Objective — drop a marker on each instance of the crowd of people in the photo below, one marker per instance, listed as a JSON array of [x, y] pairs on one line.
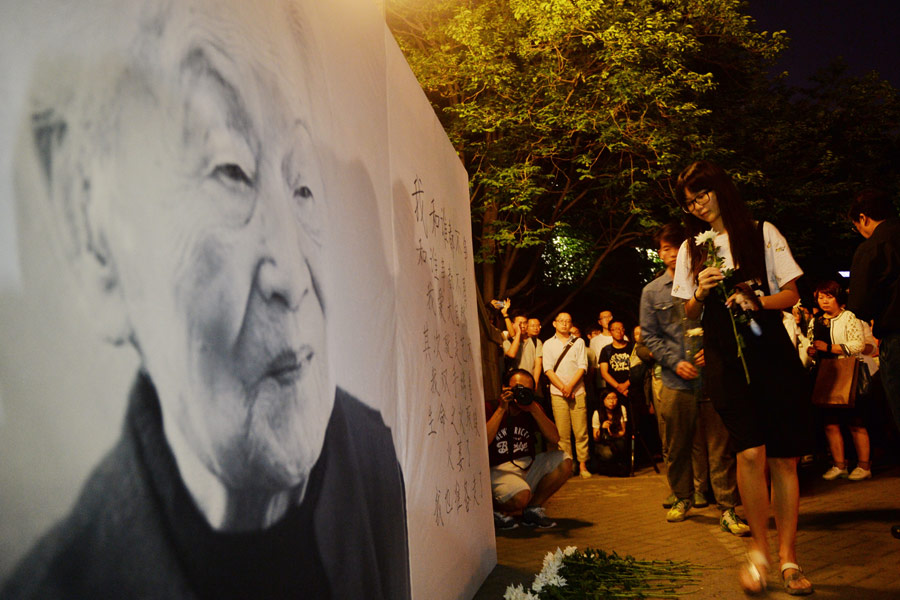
[[717, 327]]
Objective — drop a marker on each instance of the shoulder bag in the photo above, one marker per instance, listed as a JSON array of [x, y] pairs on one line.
[[836, 382]]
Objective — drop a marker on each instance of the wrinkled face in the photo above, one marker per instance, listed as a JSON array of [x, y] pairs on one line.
[[702, 204], [563, 324], [534, 327], [668, 254], [828, 303], [610, 400], [214, 196], [617, 331]]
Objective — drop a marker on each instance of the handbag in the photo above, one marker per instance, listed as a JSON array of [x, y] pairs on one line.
[[836, 382], [863, 380]]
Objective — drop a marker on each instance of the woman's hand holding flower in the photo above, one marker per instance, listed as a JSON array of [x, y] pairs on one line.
[[707, 280]]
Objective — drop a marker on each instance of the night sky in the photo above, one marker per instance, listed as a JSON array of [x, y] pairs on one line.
[[866, 33]]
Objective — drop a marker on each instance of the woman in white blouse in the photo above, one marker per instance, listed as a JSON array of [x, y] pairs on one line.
[[837, 334], [768, 424]]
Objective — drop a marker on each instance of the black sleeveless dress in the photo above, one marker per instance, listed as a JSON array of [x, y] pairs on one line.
[[773, 410]]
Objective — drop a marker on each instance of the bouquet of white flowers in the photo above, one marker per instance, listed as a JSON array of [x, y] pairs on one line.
[[597, 574]]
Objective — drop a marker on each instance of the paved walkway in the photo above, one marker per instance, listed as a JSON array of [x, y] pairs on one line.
[[844, 541]]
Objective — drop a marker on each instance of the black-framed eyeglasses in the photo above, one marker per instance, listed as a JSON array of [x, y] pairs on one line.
[[700, 199]]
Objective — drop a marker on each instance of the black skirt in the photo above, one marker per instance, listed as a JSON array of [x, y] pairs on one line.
[[773, 410]]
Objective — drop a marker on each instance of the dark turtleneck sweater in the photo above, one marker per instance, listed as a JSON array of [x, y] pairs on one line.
[[135, 531]]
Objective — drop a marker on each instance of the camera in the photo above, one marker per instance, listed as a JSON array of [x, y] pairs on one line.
[[522, 395]]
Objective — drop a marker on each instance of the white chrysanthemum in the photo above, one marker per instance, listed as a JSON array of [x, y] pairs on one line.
[[553, 561], [518, 593], [706, 236], [694, 332], [557, 581], [547, 580]]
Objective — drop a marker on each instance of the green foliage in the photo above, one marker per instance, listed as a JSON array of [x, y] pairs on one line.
[[580, 113], [571, 111], [567, 258], [827, 142]]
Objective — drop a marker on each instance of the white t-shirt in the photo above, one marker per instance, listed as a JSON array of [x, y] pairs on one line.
[[575, 359], [780, 264], [869, 339], [597, 343], [595, 420]]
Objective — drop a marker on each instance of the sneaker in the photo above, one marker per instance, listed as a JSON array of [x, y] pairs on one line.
[[534, 516], [700, 500], [859, 474], [678, 510], [584, 473], [669, 501], [733, 524], [833, 473], [502, 521]]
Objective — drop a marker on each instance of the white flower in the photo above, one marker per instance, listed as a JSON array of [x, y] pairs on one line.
[[553, 561], [694, 332], [549, 575], [706, 236], [570, 550], [518, 593], [547, 580]]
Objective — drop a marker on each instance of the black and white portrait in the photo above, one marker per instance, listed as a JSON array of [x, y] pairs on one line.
[[169, 152]]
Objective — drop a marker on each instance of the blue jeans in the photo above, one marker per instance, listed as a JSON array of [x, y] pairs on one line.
[[889, 350]]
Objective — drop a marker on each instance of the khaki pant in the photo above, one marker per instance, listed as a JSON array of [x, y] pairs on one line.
[[690, 428], [571, 415]]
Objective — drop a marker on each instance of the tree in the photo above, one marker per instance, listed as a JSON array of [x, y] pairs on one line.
[[571, 116], [819, 146]]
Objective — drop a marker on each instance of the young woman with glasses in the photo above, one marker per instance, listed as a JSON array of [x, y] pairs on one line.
[[764, 404]]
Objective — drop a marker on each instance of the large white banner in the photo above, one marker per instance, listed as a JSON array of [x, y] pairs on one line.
[[239, 347]]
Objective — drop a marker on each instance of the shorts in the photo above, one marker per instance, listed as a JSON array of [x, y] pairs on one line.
[[507, 479]]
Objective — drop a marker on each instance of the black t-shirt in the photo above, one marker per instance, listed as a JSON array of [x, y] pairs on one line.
[[619, 360], [514, 439]]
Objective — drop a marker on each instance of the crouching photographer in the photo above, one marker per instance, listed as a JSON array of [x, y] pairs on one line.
[[520, 480]]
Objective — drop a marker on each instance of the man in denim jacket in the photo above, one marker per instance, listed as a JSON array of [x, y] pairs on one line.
[[691, 425]]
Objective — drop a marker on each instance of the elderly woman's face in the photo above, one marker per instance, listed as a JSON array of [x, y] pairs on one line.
[[213, 224]]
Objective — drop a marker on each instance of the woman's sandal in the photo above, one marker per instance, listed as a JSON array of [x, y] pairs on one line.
[[753, 573], [797, 575]]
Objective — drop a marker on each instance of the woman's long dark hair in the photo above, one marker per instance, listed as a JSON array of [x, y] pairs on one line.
[[742, 235], [616, 416]]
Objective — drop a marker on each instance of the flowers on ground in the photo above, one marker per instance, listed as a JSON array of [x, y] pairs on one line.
[[570, 574]]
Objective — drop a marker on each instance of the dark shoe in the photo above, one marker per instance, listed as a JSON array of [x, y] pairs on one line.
[[502, 521], [534, 516], [895, 531], [700, 500]]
